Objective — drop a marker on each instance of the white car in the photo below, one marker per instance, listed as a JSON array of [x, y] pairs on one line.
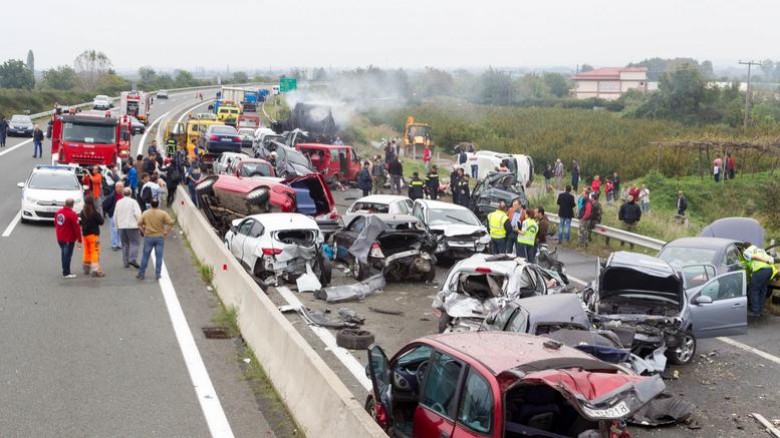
[[460, 234], [274, 245], [225, 159], [46, 190], [102, 102], [379, 204], [162, 94]]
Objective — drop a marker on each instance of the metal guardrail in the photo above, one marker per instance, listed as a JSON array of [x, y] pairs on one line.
[[614, 233]]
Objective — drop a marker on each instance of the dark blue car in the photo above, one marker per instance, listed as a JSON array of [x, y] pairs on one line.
[[219, 139], [20, 125]]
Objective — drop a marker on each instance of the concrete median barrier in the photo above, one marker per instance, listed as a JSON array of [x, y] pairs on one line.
[[320, 402]]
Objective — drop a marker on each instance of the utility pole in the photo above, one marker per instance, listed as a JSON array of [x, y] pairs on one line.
[[747, 92]]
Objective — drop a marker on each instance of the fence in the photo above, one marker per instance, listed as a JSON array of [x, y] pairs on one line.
[[632, 239]]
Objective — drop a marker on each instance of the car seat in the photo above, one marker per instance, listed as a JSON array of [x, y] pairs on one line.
[[537, 408]]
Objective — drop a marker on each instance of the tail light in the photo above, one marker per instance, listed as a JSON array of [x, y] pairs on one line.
[[214, 138], [380, 415], [484, 270], [376, 251], [237, 139], [334, 214], [271, 251]]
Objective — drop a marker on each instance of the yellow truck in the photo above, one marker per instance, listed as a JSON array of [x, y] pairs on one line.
[[416, 135], [189, 133], [228, 115]]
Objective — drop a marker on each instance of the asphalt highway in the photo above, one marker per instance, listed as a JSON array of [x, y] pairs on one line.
[[109, 356]]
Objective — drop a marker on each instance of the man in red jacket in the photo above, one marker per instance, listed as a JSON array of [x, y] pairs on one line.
[[66, 225]]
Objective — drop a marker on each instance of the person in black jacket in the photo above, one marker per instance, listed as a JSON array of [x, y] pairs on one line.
[[37, 142], [364, 179], [432, 182], [463, 191], [396, 170], [629, 214], [91, 220], [109, 203], [566, 205], [416, 187], [454, 177], [682, 204]]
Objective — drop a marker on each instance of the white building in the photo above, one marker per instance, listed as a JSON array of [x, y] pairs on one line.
[[610, 82]]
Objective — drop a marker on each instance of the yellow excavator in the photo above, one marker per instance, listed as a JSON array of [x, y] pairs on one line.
[[416, 135]]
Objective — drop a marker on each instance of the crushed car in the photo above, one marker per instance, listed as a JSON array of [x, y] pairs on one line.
[[493, 189], [279, 245], [479, 285], [539, 315], [500, 384], [224, 198], [458, 231], [397, 245], [664, 309]]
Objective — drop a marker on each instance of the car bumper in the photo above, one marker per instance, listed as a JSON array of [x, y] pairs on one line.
[[458, 248], [18, 131], [289, 269], [39, 213], [219, 147]]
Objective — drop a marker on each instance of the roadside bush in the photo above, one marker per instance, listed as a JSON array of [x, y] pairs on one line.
[[15, 101]]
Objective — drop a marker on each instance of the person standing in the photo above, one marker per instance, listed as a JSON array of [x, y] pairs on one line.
[[541, 235], [474, 161], [454, 178], [548, 174], [396, 173], [37, 142], [730, 165], [566, 205], [575, 175], [193, 176], [432, 182], [3, 130], [682, 204], [109, 208], [94, 183], [127, 212], [595, 215], [150, 191], [427, 158], [761, 268], [91, 220], [498, 226], [66, 227], [416, 187], [462, 158], [558, 171], [644, 199], [464, 191], [172, 178], [526, 236], [609, 189], [515, 215], [364, 179], [379, 174], [629, 215], [154, 224], [616, 186], [585, 211], [633, 192], [390, 153], [717, 167], [595, 186]]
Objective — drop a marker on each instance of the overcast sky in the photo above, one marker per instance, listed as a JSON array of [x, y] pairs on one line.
[[259, 34]]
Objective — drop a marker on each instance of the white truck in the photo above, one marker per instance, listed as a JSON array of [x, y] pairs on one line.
[[522, 166], [136, 104], [235, 94]]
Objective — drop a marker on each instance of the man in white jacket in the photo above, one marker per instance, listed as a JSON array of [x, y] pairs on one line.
[[126, 214]]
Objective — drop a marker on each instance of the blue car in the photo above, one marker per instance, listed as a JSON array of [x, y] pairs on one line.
[[219, 139], [20, 125]]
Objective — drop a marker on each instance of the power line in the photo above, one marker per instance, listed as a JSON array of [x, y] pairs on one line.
[[747, 92]]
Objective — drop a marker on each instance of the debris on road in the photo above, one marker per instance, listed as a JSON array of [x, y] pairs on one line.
[[353, 339], [319, 319], [308, 282], [386, 311], [352, 292], [770, 428], [663, 410]]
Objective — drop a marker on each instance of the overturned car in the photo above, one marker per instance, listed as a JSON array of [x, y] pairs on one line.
[[648, 304], [224, 198], [397, 245], [493, 189]]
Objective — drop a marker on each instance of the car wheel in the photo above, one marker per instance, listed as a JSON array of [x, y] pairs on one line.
[[358, 270], [325, 271], [206, 185], [686, 351], [354, 339], [370, 406]]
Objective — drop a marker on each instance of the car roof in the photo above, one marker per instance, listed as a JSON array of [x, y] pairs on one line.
[[499, 265], [389, 218], [285, 221], [382, 199], [503, 351], [439, 205], [699, 242], [54, 169]]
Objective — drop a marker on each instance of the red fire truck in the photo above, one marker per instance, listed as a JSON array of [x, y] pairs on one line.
[[89, 138], [136, 104]]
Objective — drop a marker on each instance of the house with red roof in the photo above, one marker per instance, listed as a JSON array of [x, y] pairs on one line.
[[609, 82]]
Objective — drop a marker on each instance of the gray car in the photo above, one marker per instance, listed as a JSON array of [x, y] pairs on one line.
[[20, 125], [662, 306], [540, 315], [722, 254]]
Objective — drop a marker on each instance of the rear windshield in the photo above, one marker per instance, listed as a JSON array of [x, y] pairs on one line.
[[255, 169], [54, 181], [370, 207], [680, 256], [223, 130]]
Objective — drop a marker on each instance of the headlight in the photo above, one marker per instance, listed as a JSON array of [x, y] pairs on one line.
[[30, 199]]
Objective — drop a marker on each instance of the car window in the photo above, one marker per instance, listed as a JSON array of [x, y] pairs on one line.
[[724, 287], [697, 275], [476, 404], [246, 227], [257, 229], [732, 256], [680, 256], [357, 225], [416, 354], [334, 155], [417, 212], [370, 207], [354, 156], [519, 322], [402, 207], [441, 384]]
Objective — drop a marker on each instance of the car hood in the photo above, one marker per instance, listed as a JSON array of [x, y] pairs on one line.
[[595, 395], [637, 275], [453, 230], [21, 124], [53, 195], [741, 229]]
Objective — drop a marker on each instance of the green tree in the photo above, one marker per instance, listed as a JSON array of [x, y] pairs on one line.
[[31, 63], [60, 78], [14, 74], [435, 82], [532, 86], [495, 87], [90, 66], [147, 75], [559, 86], [183, 79], [240, 77]]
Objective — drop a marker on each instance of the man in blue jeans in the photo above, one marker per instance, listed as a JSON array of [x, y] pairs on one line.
[[566, 205], [154, 224], [761, 267], [37, 142]]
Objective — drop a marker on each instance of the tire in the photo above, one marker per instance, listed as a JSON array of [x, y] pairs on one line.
[[206, 185], [359, 270], [354, 339], [686, 351], [258, 196], [326, 271]]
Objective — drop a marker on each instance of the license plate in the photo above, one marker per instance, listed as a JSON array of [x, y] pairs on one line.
[[617, 411], [227, 138]]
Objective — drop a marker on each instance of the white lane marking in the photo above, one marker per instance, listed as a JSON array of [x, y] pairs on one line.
[[748, 348], [10, 228], [342, 354], [13, 148], [146, 132], [207, 395]]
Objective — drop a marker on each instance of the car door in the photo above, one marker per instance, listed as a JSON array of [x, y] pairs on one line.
[[418, 211], [251, 243], [346, 237], [719, 307], [476, 410], [237, 243], [379, 372], [436, 412]]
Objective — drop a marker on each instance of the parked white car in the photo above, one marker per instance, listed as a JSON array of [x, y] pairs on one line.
[[225, 159], [46, 191], [457, 229], [102, 102], [392, 204], [279, 245]]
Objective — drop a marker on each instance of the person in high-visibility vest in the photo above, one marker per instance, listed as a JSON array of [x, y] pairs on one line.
[[499, 227], [761, 267], [416, 187], [526, 236]]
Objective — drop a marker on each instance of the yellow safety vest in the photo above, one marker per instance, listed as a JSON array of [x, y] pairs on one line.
[[528, 237], [755, 265], [496, 221], [415, 183]]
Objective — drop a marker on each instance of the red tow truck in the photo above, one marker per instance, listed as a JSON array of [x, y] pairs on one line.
[[89, 138]]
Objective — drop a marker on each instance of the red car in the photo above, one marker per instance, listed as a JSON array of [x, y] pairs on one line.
[[227, 197], [499, 384], [336, 162]]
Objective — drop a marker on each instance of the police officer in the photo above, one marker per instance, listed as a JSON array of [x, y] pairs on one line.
[[416, 187], [432, 182], [499, 226], [170, 147], [463, 191], [526, 236], [761, 268]]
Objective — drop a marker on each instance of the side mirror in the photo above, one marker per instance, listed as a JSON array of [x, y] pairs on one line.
[[20, 185], [233, 229], [703, 299]]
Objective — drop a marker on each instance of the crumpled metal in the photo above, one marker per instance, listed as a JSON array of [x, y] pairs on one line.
[[353, 292]]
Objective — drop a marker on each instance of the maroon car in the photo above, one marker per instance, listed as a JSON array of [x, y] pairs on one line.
[[500, 384]]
